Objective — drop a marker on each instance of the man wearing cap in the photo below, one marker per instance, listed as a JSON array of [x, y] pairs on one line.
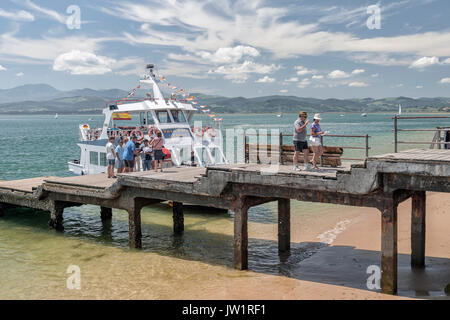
[[300, 143]]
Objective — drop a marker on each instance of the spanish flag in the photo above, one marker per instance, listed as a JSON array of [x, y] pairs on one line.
[[190, 98], [121, 116]]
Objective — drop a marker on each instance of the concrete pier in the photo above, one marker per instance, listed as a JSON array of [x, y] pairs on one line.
[[381, 182]]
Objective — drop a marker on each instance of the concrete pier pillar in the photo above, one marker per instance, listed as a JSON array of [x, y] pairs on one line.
[[134, 225], [284, 225], [418, 229], [178, 217], [106, 213], [56, 217], [389, 245], [240, 209]]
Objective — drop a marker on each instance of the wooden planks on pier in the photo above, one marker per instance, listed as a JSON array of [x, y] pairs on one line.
[[417, 155]]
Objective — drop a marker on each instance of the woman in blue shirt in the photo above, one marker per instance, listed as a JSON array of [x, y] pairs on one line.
[[119, 156]]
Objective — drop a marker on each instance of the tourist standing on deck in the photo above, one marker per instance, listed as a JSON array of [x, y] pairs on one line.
[[137, 158], [300, 143], [147, 156], [119, 156], [157, 145], [129, 153], [110, 156], [316, 140]]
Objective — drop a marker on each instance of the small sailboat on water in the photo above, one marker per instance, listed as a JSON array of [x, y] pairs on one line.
[[364, 115], [399, 109], [56, 116]]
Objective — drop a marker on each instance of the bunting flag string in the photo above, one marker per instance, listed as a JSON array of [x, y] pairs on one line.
[[176, 90]]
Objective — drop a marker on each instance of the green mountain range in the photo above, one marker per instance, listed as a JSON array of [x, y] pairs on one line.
[[44, 99]]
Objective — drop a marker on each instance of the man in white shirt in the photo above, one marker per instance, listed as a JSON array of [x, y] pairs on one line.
[[110, 156]]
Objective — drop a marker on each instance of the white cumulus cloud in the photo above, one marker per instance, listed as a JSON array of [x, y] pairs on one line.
[[424, 62], [19, 74], [301, 70], [358, 84], [2, 68], [240, 72], [358, 71], [317, 77], [445, 80], [229, 54], [284, 90], [265, 79], [83, 63], [304, 83], [338, 74], [292, 79]]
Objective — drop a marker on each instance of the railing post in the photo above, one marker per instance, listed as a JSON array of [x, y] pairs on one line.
[[246, 156], [280, 150], [321, 141], [367, 146], [395, 134]]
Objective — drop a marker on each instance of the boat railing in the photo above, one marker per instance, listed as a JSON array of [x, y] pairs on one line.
[[334, 154], [438, 140], [124, 101]]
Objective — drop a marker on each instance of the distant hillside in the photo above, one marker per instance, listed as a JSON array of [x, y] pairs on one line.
[[42, 98]]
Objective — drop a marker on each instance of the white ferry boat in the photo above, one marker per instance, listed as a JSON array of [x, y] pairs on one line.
[[141, 117]]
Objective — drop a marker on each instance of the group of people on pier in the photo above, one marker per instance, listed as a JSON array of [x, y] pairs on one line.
[[301, 143], [130, 153]]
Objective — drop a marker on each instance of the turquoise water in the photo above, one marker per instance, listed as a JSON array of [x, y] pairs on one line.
[[34, 259]]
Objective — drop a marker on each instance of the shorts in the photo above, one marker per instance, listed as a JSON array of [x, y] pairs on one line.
[[120, 164], [111, 162], [158, 154], [300, 145], [315, 141], [128, 163]]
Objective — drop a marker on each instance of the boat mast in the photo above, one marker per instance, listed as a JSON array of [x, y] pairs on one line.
[[150, 79]]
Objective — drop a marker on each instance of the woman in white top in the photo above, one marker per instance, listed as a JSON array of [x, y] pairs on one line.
[[316, 140], [110, 156]]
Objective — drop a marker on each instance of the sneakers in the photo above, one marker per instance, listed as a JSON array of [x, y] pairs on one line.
[[296, 168], [308, 167]]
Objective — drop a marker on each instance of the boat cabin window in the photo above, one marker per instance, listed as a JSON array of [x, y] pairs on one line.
[[150, 120], [178, 116], [93, 158], [103, 161], [163, 116]]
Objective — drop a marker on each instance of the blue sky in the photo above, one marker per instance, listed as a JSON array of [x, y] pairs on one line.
[[321, 49]]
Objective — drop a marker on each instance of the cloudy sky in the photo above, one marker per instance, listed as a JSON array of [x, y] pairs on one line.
[[323, 49]]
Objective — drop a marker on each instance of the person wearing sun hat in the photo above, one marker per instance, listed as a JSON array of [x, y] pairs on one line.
[[316, 140]]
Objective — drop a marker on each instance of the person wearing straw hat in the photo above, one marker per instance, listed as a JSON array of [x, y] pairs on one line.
[[299, 139], [316, 140]]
